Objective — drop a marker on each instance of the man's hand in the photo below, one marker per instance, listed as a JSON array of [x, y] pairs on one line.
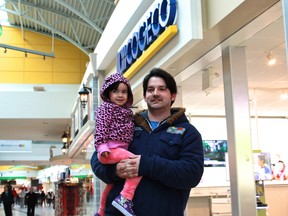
[[128, 168]]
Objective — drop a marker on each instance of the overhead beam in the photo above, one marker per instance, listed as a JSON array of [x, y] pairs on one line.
[[50, 28], [39, 7], [78, 13], [5, 46]]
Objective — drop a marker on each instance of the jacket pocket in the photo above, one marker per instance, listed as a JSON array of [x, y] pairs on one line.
[[169, 146], [171, 139]]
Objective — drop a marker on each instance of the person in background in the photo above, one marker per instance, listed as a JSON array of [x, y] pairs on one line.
[[49, 198], [169, 154], [9, 186], [53, 199], [22, 198], [14, 195], [113, 132], [7, 200], [43, 199], [279, 171], [88, 195], [31, 199], [264, 171]]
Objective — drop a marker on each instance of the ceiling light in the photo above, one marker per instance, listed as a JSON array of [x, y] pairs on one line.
[[64, 149], [64, 137], [271, 58], [284, 96]]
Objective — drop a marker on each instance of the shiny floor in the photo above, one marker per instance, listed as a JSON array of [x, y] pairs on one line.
[[41, 211]]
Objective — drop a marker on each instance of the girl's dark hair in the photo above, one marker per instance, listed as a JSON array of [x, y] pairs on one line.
[[113, 87], [158, 72]]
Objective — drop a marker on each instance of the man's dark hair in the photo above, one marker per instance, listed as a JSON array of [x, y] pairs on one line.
[[158, 72]]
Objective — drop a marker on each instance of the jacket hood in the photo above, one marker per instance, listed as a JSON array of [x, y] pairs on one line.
[[114, 78]]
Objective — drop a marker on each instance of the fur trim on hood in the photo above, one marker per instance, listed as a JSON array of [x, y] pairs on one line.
[[140, 119]]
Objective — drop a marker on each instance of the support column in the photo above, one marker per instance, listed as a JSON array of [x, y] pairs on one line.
[[285, 20], [242, 183], [97, 83]]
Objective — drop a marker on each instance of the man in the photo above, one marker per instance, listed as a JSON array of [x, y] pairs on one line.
[[170, 154], [8, 200], [31, 199]]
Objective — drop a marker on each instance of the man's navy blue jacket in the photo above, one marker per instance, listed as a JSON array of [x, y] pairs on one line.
[[172, 163]]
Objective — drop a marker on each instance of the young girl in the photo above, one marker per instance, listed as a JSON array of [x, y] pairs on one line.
[[114, 129]]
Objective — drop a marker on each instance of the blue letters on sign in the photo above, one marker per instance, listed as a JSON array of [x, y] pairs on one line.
[[155, 23]]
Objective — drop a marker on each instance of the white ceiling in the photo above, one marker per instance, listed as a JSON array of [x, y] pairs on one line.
[[266, 83]]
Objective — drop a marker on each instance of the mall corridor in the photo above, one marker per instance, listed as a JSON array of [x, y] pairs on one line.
[[43, 211]]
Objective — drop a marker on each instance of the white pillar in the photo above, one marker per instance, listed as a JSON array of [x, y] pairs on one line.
[[242, 183]]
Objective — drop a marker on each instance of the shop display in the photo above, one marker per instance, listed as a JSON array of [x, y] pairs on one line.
[[69, 199], [262, 166], [260, 198], [214, 152]]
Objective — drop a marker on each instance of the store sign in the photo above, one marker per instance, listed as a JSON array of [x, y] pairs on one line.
[[14, 146], [161, 16]]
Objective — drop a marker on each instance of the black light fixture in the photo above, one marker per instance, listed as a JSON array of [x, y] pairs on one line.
[[64, 149], [64, 137], [84, 92]]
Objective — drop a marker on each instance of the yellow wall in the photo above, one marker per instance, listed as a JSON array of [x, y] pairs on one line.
[[67, 67]]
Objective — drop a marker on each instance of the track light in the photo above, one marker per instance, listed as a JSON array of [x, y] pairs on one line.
[[271, 58], [284, 95], [5, 50]]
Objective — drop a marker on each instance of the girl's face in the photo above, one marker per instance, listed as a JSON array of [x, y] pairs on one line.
[[119, 96]]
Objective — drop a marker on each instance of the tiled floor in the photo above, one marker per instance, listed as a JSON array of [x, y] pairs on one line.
[[42, 211], [39, 211]]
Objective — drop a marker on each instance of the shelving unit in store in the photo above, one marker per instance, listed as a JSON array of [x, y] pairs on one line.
[[69, 198], [260, 198]]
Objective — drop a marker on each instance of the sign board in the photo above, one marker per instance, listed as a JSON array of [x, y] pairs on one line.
[[13, 146]]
